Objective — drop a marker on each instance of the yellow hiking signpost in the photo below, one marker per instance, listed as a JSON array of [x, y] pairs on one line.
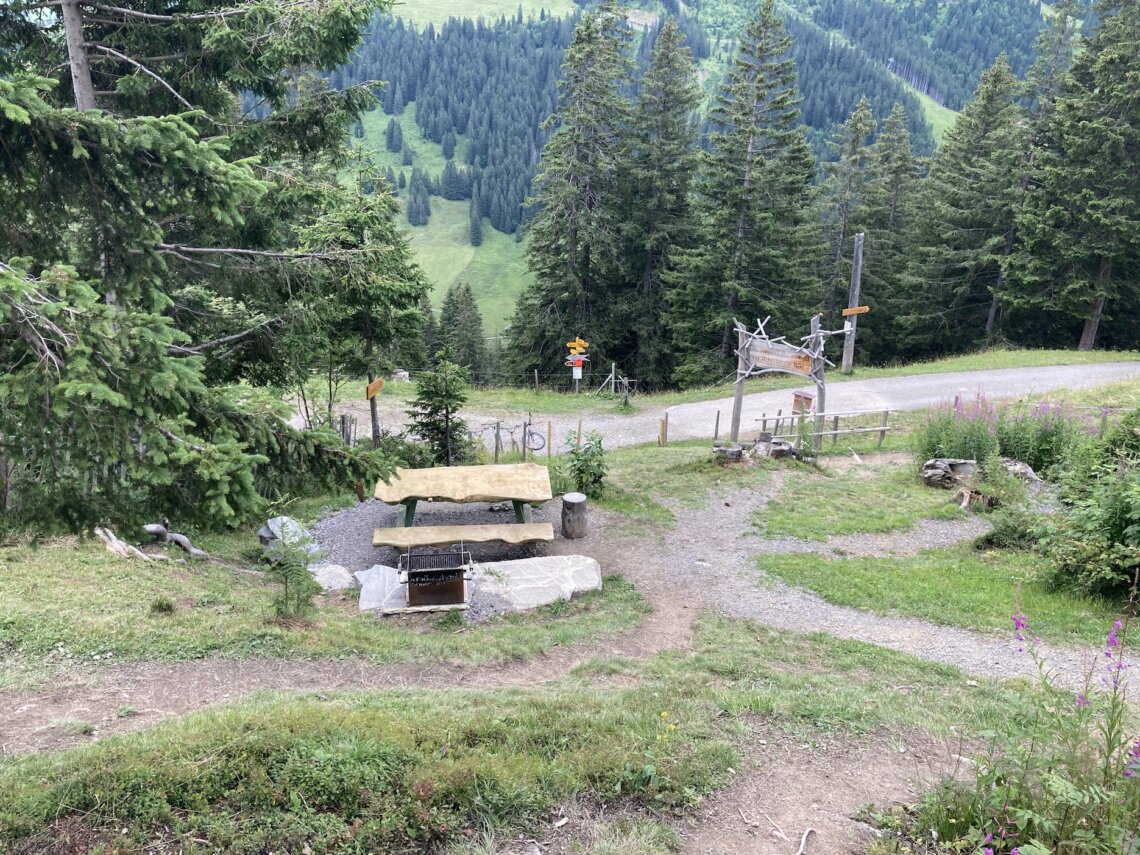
[[856, 310], [373, 388], [576, 357]]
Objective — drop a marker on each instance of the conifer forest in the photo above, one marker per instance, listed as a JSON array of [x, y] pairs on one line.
[[195, 234]]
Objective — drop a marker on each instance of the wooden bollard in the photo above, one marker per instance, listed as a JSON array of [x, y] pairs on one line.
[[573, 515]]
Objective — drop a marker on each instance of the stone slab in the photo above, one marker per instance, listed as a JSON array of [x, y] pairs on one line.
[[332, 577], [380, 588], [532, 582]]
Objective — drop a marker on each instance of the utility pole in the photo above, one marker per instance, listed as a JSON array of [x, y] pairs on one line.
[[853, 303]]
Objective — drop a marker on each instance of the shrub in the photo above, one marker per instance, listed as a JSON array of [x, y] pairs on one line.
[[587, 464], [1041, 435], [162, 606], [1061, 776], [290, 569], [1013, 528], [967, 430]]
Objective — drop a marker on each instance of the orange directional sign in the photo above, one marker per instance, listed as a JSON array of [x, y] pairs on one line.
[[577, 345], [856, 310], [373, 388]]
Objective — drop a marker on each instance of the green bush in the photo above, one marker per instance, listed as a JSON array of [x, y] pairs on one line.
[[587, 464], [1061, 774], [1041, 435], [290, 569], [967, 430]]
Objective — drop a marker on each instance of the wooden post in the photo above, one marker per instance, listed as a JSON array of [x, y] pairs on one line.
[[737, 406], [1103, 421], [852, 302], [883, 428], [800, 432], [661, 433], [549, 435], [821, 408], [665, 426], [526, 426], [834, 429], [716, 427], [498, 441], [536, 381], [613, 377], [579, 433]]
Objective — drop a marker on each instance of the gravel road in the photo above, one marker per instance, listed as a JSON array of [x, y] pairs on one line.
[[696, 420]]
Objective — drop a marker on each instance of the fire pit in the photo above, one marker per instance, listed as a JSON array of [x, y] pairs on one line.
[[436, 578]]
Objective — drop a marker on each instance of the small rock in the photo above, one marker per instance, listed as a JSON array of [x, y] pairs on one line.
[[332, 577], [286, 532]]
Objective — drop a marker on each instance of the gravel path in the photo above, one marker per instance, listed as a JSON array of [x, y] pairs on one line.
[[734, 585]]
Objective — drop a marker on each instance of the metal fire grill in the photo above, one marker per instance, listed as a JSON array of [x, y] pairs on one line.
[[436, 578]]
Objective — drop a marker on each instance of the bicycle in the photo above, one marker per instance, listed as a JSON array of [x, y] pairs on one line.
[[535, 441]]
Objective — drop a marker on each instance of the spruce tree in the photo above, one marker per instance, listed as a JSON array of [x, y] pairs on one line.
[[658, 162], [1081, 223], [574, 234], [964, 235], [461, 328], [434, 413], [754, 197], [394, 136], [475, 227]]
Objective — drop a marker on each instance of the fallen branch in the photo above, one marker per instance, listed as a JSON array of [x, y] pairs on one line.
[[803, 842], [122, 549], [165, 535]]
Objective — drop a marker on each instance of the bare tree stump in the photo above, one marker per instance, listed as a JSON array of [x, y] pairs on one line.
[[573, 516]]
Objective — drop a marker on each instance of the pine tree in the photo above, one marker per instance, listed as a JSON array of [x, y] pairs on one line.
[[1081, 223], [754, 197], [461, 328], [429, 331], [434, 414], [407, 157], [475, 228], [394, 136], [573, 237], [964, 235], [658, 163], [843, 194], [448, 145]]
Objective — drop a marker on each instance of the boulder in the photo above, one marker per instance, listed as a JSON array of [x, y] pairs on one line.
[[332, 577], [1020, 470], [948, 473], [286, 532]]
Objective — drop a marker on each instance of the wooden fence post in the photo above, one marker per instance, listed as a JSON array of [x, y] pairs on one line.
[[883, 429], [716, 427], [536, 381], [834, 429], [498, 440], [549, 439], [579, 433], [666, 429]]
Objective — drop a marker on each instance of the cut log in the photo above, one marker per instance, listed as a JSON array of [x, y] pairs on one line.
[[948, 472], [573, 516]]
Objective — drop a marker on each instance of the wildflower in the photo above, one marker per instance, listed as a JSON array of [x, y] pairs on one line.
[[1014, 851], [1112, 640], [988, 851], [1082, 701], [989, 838]]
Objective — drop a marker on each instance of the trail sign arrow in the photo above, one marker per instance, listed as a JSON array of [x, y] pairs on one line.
[[856, 310]]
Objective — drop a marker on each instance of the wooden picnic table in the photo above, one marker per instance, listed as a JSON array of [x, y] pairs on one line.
[[519, 483]]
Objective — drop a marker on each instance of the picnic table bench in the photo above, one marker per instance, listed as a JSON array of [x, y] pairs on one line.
[[519, 483]]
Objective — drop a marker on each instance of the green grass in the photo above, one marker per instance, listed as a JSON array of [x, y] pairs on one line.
[[424, 12], [954, 587], [684, 472], [496, 269], [379, 771], [67, 605], [817, 507], [941, 118]]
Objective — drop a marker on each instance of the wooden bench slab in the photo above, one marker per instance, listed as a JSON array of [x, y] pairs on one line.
[[441, 535], [523, 482]]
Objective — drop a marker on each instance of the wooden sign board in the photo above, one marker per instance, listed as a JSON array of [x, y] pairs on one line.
[[856, 310], [775, 355], [373, 388]]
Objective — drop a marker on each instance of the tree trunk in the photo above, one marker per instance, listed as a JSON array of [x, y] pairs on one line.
[[1088, 334], [77, 55], [995, 303], [726, 348]]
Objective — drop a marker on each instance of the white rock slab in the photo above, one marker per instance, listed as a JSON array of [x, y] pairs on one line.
[[532, 582], [332, 577], [380, 588]]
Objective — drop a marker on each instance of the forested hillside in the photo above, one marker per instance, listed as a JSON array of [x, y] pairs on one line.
[[477, 92]]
